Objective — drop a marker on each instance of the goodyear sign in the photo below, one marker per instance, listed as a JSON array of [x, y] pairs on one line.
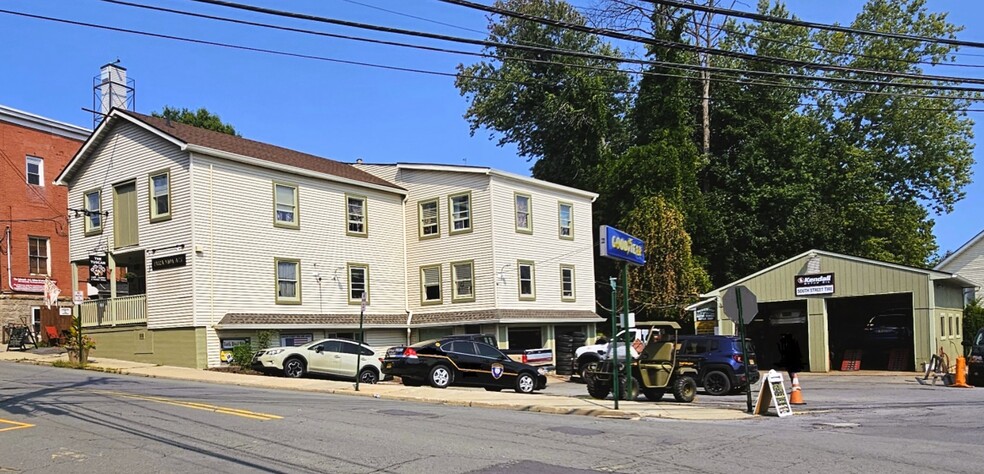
[[618, 245]]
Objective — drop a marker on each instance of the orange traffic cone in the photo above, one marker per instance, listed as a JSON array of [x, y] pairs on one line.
[[796, 395], [961, 374]]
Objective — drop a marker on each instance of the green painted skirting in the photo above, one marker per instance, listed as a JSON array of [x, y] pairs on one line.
[[181, 347]]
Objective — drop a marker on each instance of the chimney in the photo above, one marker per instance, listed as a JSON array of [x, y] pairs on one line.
[[112, 87]]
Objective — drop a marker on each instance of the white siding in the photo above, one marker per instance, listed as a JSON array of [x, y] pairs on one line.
[[968, 264], [544, 246], [132, 153], [234, 272]]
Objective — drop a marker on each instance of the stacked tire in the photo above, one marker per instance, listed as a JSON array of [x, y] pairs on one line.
[[566, 344]]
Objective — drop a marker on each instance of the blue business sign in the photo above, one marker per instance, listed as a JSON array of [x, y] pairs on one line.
[[618, 245]]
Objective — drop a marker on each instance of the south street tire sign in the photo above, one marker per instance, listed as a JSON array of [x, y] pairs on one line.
[[816, 284]]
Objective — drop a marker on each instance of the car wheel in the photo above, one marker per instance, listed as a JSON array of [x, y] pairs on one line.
[[598, 390], [525, 383], [684, 389], [294, 367], [409, 382], [440, 376], [587, 368], [629, 395], [717, 383], [653, 394], [368, 375], [493, 389]]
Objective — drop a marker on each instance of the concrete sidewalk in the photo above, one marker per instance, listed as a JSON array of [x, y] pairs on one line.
[[455, 396]]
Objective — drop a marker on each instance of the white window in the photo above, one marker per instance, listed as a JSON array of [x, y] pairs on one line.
[[356, 215], [567, 283], [35, 171], [463, 285], [428, 213], [527, 287], [430, 284], [566, 220], [38, 255], [523, 219], [358, 283], [288, 284], [160, 196], [460, 209], [285, 206], [93, 212]]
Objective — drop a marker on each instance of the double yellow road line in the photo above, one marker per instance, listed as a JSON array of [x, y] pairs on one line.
[[17, 425], [195, 405]]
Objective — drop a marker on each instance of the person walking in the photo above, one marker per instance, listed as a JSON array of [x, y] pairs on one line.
[[790, 357]]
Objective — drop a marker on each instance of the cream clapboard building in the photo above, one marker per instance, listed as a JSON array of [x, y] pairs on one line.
[[968, 262], [213, 240]]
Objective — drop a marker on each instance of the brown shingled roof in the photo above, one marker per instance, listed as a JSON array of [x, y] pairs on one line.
[[259, 150], [400, 320]]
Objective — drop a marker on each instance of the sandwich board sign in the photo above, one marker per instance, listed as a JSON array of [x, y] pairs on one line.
[[773, 393]]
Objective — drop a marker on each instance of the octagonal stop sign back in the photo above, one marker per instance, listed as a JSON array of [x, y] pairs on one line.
[[749, 304]]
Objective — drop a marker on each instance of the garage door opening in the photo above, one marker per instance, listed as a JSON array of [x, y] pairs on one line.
[[774, 320], [871, 332]]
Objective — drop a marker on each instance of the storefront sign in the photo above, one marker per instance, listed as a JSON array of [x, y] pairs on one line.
[[98, 269], [773, 394], [816, 284], [171, 261], [27, 285], [618, 245]]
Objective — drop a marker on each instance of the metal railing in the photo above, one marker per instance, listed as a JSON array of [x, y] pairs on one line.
[[114, 311]]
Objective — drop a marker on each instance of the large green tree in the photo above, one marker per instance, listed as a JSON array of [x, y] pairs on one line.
[[201, 118]]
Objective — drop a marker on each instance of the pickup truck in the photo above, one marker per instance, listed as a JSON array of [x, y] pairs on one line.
[[537, 357], [586, 355]]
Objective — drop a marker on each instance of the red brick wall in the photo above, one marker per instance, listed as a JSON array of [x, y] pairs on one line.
[[38, 211]]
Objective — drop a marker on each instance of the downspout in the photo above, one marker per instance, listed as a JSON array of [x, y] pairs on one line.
[[10, 278], [406, 270]]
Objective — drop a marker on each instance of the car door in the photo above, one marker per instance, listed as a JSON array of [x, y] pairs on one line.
[[465, 357], [349, 360], [322, 357], [494, 366]]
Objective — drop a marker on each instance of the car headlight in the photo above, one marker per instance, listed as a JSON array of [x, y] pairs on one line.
[[541, 371], [274, 352]]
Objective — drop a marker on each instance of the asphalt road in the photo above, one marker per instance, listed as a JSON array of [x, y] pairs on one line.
[[60, 420]]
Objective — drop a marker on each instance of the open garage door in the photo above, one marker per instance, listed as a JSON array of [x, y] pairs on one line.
[[871, 332], [774, 320]]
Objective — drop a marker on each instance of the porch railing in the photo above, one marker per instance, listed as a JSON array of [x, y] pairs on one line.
[[114, 311]]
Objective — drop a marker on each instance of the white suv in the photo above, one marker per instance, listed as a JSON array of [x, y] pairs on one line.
[[332, 357]]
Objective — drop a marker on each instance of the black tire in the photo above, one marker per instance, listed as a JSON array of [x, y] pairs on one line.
[[598, 390], [493, 389], [565, 338], [409, 382], [628, 395], [653, 394], [525, 383], [368, 375], [577, 335], [684, 389], [717, 383], [440, 376], [587, 367], [294, 368]]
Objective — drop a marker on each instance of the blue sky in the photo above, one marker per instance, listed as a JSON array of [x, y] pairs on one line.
[[339, 111]]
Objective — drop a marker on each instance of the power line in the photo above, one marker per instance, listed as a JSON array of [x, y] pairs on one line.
[[814, 25], [374, 7], [720, 52]]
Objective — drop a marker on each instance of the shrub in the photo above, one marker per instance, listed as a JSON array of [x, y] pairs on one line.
[[242, 355]]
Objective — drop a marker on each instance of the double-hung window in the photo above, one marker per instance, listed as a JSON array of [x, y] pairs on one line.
[[567, 283], [285, 206], [430, 285], [35, 171], [288, 281], [428, 213], [358, 283], [37, 253], [527, 285], [92, 203], [160, 196], [462, 281], [523, 204], [356, 216], [459, 205], [565, 212]]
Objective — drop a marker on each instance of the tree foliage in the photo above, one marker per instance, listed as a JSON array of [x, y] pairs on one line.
[[201, 118]]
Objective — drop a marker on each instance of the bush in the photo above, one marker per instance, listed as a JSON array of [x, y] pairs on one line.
[[263, 338], [242, 355]]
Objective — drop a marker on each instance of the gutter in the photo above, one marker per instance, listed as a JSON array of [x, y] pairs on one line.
[[10, 278]]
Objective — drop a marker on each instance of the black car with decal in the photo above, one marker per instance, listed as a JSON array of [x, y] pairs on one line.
[[461, 362]]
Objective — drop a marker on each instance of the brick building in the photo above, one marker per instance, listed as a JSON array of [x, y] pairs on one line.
[[33, 211]]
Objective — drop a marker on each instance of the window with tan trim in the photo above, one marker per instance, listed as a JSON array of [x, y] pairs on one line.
[[288, 280], [462, 281], [523, 204], [92, 203], [527, 277], [459, 207], [37, 254], [285, 206], [430, 285], [358, 282], [428, 216], [567, 283], [160, 196], [565, 216], [356, 216]]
